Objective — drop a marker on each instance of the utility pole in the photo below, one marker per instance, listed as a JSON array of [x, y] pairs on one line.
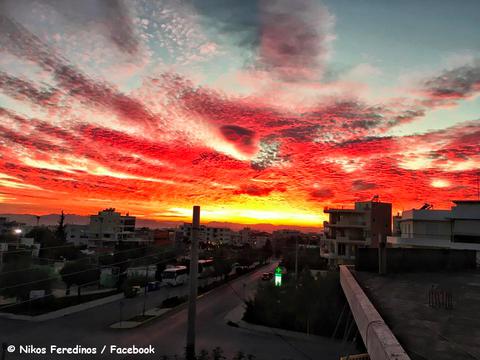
[[192, 302], [296, 260], [146, 291]]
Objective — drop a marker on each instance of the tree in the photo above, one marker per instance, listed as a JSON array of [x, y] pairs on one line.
[[267, 251], [222, 266], [32, 279], [79, 273], [246, 256], [60, 233]]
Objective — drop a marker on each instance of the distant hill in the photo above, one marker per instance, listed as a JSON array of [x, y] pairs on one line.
[[52, 219]]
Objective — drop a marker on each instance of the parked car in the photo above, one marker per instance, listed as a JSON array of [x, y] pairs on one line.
[[267, 276], [153, 285], [132, 291]]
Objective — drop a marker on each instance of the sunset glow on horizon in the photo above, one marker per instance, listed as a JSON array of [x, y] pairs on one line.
[[258, 111]]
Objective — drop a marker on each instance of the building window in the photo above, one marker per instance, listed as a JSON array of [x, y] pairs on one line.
[[341, 249]]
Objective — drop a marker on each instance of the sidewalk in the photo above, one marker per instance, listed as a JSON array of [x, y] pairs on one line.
[[65, 311]]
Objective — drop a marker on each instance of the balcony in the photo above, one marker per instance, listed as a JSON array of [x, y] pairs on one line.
[[347, 239], [348, 224]]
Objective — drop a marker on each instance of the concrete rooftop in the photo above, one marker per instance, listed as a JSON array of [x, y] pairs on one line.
[[425, 332]]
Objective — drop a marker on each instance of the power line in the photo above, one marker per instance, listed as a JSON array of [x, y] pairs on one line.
[[73, 273], [40, 297], [85, 258], [84, 284]]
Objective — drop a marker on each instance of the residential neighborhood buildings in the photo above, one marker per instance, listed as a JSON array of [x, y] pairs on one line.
[[456, 228], [364, 225]]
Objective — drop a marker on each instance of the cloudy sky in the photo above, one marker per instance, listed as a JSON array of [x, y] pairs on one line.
[[257, 110]]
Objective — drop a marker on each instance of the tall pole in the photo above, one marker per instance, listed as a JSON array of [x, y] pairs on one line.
[[296, 261], [192, 303], [146, 291]]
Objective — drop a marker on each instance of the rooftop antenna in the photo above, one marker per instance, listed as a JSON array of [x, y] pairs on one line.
[[426, 206]]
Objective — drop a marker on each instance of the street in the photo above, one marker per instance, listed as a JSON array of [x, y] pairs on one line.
[[90, 328]]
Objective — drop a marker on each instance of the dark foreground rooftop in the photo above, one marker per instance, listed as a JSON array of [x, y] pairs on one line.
[[423, 331]]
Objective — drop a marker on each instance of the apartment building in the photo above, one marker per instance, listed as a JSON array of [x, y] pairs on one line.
[[457, 228], [109, 227], [215, 235], [361, 226], [77, 234]]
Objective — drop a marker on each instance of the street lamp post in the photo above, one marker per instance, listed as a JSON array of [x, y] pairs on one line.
[[146, 291], [192, 303]]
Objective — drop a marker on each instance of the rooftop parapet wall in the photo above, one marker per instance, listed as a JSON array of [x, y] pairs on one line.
[[400, 260], [380, 342]]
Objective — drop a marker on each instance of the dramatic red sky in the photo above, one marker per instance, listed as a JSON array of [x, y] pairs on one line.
[[259, 111]]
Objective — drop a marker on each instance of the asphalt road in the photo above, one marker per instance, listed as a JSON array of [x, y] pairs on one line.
[[90, 328]]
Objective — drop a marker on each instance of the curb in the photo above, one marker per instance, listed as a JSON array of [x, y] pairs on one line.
[[65, 311], [242, 324]]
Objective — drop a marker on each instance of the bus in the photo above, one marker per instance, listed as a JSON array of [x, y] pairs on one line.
[[205, 268], [175, 275]]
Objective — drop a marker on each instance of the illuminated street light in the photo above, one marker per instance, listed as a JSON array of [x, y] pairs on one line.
[[278, 276], [17, 231]]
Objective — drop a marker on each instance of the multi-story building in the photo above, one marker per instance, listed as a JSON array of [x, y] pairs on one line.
[[108, 228], [77, 234], [186, 230], [347, 229], [457, 228], [216, 235]]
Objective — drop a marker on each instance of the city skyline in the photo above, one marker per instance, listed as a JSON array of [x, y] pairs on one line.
[[257, 111]]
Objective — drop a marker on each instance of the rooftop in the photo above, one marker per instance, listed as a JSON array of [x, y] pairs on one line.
[[425, 332]]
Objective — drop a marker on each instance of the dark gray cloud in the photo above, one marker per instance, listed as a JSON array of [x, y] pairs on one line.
[[322, 194], [454, 84], [363, 185], [240, 18], [17, 40], [288, 38], [112, 15], [23, 89]]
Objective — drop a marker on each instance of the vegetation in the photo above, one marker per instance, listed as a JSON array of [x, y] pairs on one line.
[[222, 266], [42, 306], [307, 258], [79, 273], [266, 251], [312, 305], [32, 279], [215, 354]]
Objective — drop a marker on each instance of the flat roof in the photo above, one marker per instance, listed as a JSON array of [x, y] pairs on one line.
[[329, 210], [423, 331], [466, 201]]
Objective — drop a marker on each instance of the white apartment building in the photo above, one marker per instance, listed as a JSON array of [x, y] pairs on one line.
[[77, 234], [108, 228], [457, 228], [217, 235], [348, 229]]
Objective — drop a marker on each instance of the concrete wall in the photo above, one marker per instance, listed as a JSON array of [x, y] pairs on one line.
[[380, 342], [411, 259]]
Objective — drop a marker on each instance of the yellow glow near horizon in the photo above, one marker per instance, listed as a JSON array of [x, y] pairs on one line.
[[249, 216], [440, 183]]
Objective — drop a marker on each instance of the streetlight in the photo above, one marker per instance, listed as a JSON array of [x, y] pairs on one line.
[[17, 231]]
